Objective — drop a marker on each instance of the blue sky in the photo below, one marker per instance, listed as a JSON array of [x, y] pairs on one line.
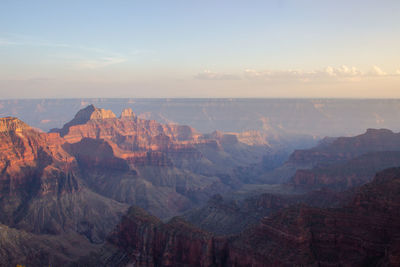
[[199, 48]]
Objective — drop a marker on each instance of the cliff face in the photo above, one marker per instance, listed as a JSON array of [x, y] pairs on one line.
[[163, 168], [40, 186], [365, 231], [29, 158], [351, 173], [227, 217], [340, 163], [18, 247], [347, 161], [345, 148], [143, 240], [128, 130], [74, 181]]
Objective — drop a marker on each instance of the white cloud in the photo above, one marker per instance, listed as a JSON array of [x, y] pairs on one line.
[[343, 71], [327, 74], [376, 71], [209, 75]]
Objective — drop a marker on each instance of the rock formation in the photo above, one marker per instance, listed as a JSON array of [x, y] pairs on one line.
[[363, 232], [73, 185], [41, 190], [164, 168], [127, 113], [340, 162]]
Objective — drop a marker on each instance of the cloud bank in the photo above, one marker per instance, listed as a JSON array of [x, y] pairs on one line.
[[342, 73]]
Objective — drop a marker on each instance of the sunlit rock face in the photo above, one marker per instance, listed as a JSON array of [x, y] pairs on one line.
[[164, 168], [127, 113], [128, 131], [316, 117], [41, 190], [78, 181]]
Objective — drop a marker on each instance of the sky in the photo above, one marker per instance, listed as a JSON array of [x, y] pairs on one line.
[[188, 48]]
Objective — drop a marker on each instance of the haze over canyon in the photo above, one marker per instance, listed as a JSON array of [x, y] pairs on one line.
[[108, 190]]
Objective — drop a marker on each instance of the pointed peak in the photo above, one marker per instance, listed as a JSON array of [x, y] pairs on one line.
[[12, 124], [127, 113], [84, 115], [92, 113], [99, 114]]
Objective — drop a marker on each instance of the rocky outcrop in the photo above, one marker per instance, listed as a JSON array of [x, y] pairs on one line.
[[127, 113], [346, 148], [96, 153], [352, 173], [41, 190], [346, 162], [20, 248], [143, 240], [333, 155], [250, 138], [128, 131], [73, 180], [85, 115], [364, 232], [11, 124], [27, 157], [163, 168], [232, 216]]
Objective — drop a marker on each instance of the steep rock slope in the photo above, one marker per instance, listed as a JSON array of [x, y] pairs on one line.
[[163, 168], [143, 240], [343, 175], [41, 190], [376, 149], [231, 216], [363, 232], [18, 247]]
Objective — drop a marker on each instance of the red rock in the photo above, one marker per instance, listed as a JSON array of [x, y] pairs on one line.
[[364, 232]]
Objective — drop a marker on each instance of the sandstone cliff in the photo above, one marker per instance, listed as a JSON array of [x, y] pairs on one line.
[[363, 232], [41, 190]]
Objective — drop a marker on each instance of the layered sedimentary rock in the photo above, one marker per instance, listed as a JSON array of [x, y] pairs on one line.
[[345, 148], [347, 161], [21, 248], [164, 168], [351, 173], [41, 190], [74, 181], [231, 216], [363, 232], [143, 240], [127, 113], [339, 162], [127, 131]]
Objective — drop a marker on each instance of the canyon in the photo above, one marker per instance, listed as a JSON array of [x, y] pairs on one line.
[[363, 231], [104, 190]]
